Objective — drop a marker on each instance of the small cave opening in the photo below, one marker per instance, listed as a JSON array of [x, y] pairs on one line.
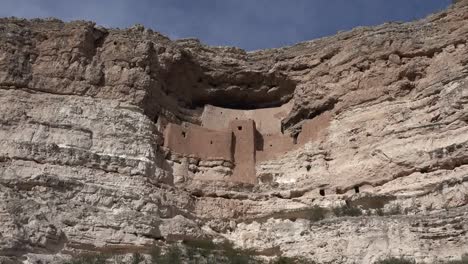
[[322, 192], [239, 128], [295, 139], [356, 189], [308, 167], [184, 134], [424, 170], [211, 142], [155, 119]]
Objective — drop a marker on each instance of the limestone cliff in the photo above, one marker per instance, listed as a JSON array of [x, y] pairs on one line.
[[374, 120]]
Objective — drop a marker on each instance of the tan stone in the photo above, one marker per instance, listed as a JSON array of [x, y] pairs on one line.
[[85, 164]]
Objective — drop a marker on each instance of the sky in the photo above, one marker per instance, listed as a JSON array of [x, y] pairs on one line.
[[248, 24]]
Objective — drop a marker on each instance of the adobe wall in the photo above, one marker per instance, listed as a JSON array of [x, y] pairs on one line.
[[244, 151], [198, 141], [267, 120], [314, 129], [273, 146], [239, 141]]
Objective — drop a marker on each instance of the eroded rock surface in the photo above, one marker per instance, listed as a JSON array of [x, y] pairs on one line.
[[379, 117]]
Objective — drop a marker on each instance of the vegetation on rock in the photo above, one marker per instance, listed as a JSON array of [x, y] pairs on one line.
[[89, 259], [347, 210], [463, 260], [395, 260], [316, 213]]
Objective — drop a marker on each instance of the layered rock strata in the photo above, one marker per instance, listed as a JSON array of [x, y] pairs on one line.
[[379, 116]]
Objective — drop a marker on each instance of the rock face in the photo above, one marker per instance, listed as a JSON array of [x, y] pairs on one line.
[[375, 119]]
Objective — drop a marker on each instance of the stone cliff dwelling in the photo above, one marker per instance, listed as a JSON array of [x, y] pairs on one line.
[[230, 142], [345, 149]]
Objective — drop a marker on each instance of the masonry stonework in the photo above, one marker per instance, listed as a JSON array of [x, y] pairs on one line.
[[314, 129], [272, 146], [244, 151], [200, 142], [233, 135], [267, 120]]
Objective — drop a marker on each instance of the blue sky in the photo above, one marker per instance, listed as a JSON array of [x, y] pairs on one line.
[[249, 24]]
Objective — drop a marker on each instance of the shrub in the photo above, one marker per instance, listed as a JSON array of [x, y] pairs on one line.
[[171, 256], [395, 210], [89, 259], [235, 256], [394, 260], [193, 254], [200, 244], [196, 249], [463, 260], [380, 212], [288, 260], [137, 258], [347, 210], [155, 253], [201, 251], [316, 213]]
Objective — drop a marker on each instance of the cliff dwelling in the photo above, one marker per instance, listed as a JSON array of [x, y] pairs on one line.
[[229, 143], [345, 149]]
